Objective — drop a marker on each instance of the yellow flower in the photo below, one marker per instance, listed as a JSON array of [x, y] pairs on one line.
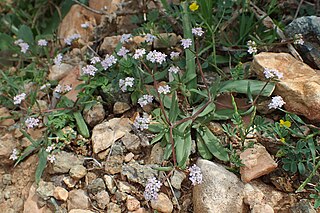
[[283, 140], [194, 6], [285, 123]]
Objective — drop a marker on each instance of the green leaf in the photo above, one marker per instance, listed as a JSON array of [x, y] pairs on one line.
[[81, 124], [158, 137], [203, 149], [174, 109], [210, 108], [42, 164], [312, 148], [301, 168], [163, 168], [25, 34], [167, 152]]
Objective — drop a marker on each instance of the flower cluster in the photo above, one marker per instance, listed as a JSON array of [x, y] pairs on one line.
[[31, 122], [197, 31], [252, 47], [14, 155], [71, 38], [174, 69], [142, 123], [89, 70], [122, 52], [58, 59], [272, 73], [95, 60], [125, 38], [23, 45], [174, 55], [150, 38], [19, 98], [276, 102], [127, 82], [139, 53], [152, 188], [62, 89], [42, 42], [298, 39], [186, 43], [50, 148], [51, 158], [108, 61], [145, 99], [155, 56], [164, 89], [195, 175]]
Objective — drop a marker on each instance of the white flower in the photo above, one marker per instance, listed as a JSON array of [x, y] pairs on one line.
[[127, 82], [58, 89], [298, 39], [174, 55], [85, 25], [58, 59], [32, 122], [271, 73], [186, 43], [71, 38], [16, 42], [50, 148], [24, 47], [67, 88], [142, 123], [125, 38], [42, 43], [164, 89], [152, 188], [51, 158], [94, 60], [145, 99], [150, 37], [139, 53], [14, 155], [89, 70], [195, 175], [45, 86], [252, 47], [108, 61], [155, 56], [276, 102], [174, 69], [19, 98], [197, 31], [122, 52]]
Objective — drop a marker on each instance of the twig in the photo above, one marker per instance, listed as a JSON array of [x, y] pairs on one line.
[[298, 9]]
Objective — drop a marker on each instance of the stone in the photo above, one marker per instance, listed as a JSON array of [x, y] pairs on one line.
[[102, 199], [30, 205], [64, 162], [139, 173], [60, 193], [108, 6], [299, 86], [128, 157], [78, 199], [7, 144], [120, 196], [162, 204], [108, 179], [4, 112], [303, 206], [70, 183], [7, 179], [125, 187], [96, 186], [120, 107], [257, 162], [177, 178], [72, 78], [262, 208], [131, 142], [165, 40], [45, 189], [140, 210], [132, 203], [220, 191], [109, 44], [94, 115], [157, 154], [113, 165], [77, 172], [106, 133], [57, 72], [40, 106], [80, 211], [113, 208]]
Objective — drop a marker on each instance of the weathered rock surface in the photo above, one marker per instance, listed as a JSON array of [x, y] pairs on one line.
[[120, 107], [108, 179], [102, 199], [177, 178], [94, 115], [113, 165], [72, 79], [45, 189], [257, 162], [132, 203], [138, 173], [60, 193], [77, 172], [96, 186], [78, 199], [131, 142], [30, 205], [303, 206], [113, 208], [4, 112], [65, 161], [57, 72], [157, 153], [162, 204], [299, 86]]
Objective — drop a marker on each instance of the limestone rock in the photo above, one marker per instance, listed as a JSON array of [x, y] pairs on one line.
[[299, 86], [177, 178], [108, 6], [262, 208], [157, 154], [108, 179], [113, 165], [257, 162], [128, 157], [223, 193], [102, 199], [45, 189], [120, 107], [77, 172], [132, 203], [162, 204], [138, 173], [109, 43], [78, 199], [57, 72], [60, 193], [125, 187], [131, 142], [96, 186], [4, 112], [65, 161], [70, 183], [30, 205], [72, 79], [94, 115]]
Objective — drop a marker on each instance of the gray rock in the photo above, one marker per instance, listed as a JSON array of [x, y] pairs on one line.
[[64, 162], [177, 178], [221, 190], [102, 199], [96, 186], [117, 149], [45, 189], [304, 25], [157, 153], [303, 206], [7, 179], [78, 199], [120, 107], [113, 165], [77, 172], [94, 115], [138, 173], [131, 142]]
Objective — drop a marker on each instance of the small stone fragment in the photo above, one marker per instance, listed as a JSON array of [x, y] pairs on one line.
[[120, 196], [108, 179], [132, 203], [140, 210], [102, 199], [113, 208], [65, 161], [303, 206], [45, 189], [262, 208], [7, 179], [94, 115], [120, 107], [162, 204], [177, 178], [125, 187], [59, 72], [77, 172], [4, 112], [157, 153], [138, 173], [131, 142], [78, 199], [128, 157], [96, 186], [69, 182], [113, 165], [60, 193], [80, 211]]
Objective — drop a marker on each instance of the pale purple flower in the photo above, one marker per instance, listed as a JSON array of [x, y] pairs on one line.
[[139, 53], [24, 47], [89, 70], [186, 43], [174, 55], [142, 123], [125, 38], [272, 73], [14, 155], [32, 122], [197, 31], [122, 52], [67, 88], [150, 38], [50, 148], [19, 98], [174, 69], [127, 82], [145, 99], [95, 60], [71, 38], [58, 59], [195, 175], [58, 89], [42, 42], [164, 89], [155, 56], [276, 102], [51, 158], [298, 39], [152, 189], [85, 25], [252, 47], [108, 61]]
